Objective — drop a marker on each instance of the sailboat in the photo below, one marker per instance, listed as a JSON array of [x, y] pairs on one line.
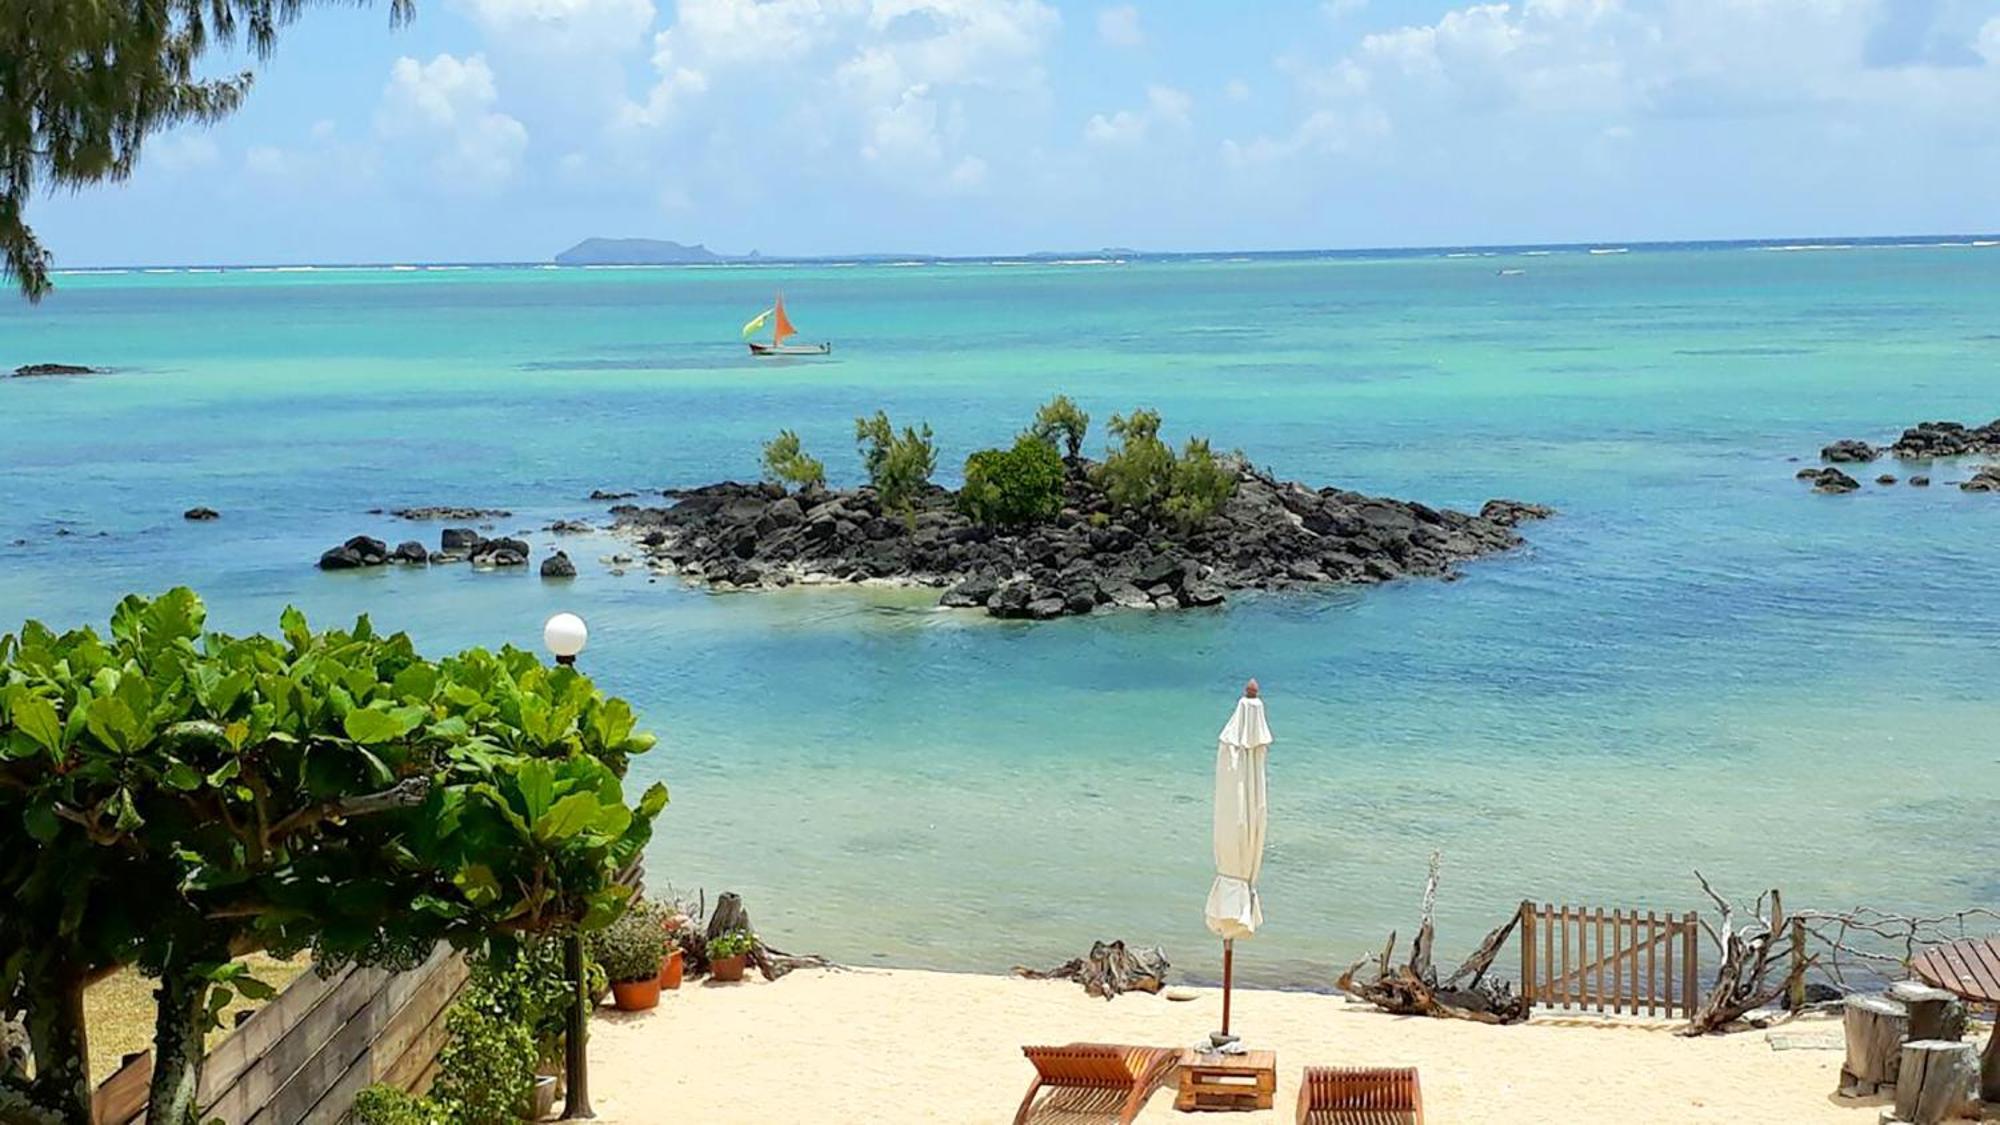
[[781, 330]]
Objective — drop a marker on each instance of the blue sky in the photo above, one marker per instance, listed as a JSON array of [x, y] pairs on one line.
[[507, 129]]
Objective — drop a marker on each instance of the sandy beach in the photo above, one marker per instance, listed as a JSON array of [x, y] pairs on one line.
[[892, 1046]]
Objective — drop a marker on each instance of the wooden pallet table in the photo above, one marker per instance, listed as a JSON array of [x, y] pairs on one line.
[[1245, 1081], [1969, 970]]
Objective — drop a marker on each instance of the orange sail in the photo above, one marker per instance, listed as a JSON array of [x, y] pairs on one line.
[[782, 327]]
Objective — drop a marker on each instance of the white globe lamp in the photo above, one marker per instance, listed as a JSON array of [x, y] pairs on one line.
[[565, 635]]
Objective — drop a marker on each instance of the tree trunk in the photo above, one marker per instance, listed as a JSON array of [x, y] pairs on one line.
[[61, 1048], [730, 915], [1934, 1013], [178, 1031], [1937, 1081], [1876, 1027]]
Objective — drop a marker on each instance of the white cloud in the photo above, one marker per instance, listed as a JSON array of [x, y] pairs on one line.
[[1988, 41], [1165, 106], [182, 151], [1119, 26], [564, 26], [447, 105], [1236, 90]]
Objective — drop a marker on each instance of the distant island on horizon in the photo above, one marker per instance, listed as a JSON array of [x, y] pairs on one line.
[[601, 252]]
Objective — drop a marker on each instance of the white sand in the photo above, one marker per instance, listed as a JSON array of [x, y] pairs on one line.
[[875, 1046]]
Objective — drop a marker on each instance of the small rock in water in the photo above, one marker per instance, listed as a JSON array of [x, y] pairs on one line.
[[1920, 482], [30, 370], [1886, 478], [602, 494], [201, 514], [410, 551], [558, 566], [357, 552], [458, 539], [448, 513], [1987, 479], [1830, 480], [1849, 450], [570, 527]]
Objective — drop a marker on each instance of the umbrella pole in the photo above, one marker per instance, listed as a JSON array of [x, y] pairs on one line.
[[1228, 967]]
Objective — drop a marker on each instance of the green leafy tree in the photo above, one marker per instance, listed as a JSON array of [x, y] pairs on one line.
[[209, 795], [1201, 485], [1139, 469], [1060, 420], [785, 461], [83, 83], [898, 465], [1013, 487]]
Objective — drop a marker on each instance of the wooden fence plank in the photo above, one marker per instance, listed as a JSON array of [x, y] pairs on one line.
[[404, 1022], [1600, 959], [266, 1074], [265, 1027], [1528, 950], [296, 1096], [122, 1096]]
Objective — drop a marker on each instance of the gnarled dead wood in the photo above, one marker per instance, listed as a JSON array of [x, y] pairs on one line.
[[730, 915], [1750, 952], [1109, 970], [1413, 989]]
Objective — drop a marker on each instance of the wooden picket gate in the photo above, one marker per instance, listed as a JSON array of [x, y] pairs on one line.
[[1591, 959]]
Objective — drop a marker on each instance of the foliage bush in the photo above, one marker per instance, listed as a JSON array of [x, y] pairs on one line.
[[1142, 474], [731, 943], [1201, 485], [785, 461], [171, 795], [386, 1105], [898, 465], [1138, 471], [1013, 487], [632, 947], [1060, 420]]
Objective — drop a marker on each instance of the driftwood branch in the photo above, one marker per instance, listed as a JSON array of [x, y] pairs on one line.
[[406, 793], [1413, 989], [1751, 952], [773, 963], [1109, 970]]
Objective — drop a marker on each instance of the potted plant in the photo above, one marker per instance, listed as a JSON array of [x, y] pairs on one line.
[[630, 949], [672, 968], [727, 951]]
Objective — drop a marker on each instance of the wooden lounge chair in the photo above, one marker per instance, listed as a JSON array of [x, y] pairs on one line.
[[1094, 1080], [1343, 1095]]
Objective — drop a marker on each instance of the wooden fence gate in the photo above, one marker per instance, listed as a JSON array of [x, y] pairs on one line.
[[1590, 959]]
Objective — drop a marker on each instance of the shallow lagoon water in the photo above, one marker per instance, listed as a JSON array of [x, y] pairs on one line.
[[1698, 663]]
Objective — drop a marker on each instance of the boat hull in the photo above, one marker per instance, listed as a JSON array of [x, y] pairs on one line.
[[791, 349]]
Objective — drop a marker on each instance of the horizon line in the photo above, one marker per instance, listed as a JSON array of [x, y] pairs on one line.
[[764, 259]]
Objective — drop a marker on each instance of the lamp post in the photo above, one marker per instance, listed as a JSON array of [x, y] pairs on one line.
[[565, 635]]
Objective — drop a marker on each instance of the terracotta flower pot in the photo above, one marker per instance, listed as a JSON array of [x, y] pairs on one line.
[[728, 968], [636, 995], [671, 970]]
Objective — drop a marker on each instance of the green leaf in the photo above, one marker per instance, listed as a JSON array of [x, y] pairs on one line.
[[128, 816], [293, 624], [36, 717], [368, 725], [225, 772], [478, 885], [653, 801], [42, 823], [568, 817], [182, 776], [537, 780]]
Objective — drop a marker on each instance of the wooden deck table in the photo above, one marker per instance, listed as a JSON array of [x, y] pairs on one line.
[[1219, 1081], [1969, 970]]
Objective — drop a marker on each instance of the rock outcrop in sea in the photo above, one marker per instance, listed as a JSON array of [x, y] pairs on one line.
[[1925, 441], [31, 370], [1270, 535]]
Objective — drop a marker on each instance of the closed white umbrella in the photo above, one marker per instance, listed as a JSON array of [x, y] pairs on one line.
[[1233, 909]]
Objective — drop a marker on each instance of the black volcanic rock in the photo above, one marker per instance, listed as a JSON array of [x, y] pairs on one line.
[[410, 551], [1848, 450], [31, 370], [449, 513], [1928, 440], [1270, 535], [558, 566], [1829, 480], [201, 515]]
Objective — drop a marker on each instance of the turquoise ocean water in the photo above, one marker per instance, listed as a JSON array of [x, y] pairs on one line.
[[1699, 663]]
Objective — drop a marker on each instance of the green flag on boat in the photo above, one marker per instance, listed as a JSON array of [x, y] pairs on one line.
[[756, 322]]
